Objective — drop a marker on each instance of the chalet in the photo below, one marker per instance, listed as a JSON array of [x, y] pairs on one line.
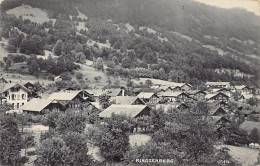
[[218, 121], [217, 96], [72, 99], [217, 111], [132, 111], [243, 89], [174, 96], [221, 103], [41, 106], [248, 126], [15, 94], [3, 80], [29, 86], [127, 100], [186, 87], [246, 113], [245, 97], [171, 106], [217, 84], [115, 92], [148, 97], [197, 94]]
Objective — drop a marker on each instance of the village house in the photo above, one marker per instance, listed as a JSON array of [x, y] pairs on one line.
[[14, 94], [243, 89], [171, 106], [41, 106], [245, 97], [217, 85], [174, 96], [218, 121], [72, 99], [149, 97], [217, 111], [197, 94], [127, 100], [132, 111], [247, 112], [221, 103], [217, 96], [113, 92]]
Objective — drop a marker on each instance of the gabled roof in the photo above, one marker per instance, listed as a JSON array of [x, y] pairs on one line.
[[10, 85], [4, 80], [247, 96], [28, 83], [37, 105], [193, 92], [211, 95], [128, 110], [215, 119], [214, 103], [217, 83], [215, 109], [146, 95], [112, 92], [249, 126], [240, 87], [171, 94], [127, 100], [64, 95], [167, 107]]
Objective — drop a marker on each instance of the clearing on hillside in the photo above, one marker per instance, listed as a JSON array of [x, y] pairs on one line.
[[27, 12]]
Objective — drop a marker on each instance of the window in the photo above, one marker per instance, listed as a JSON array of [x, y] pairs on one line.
[[13, 105], [22, 103], [23, 96], [13, 97], [17, 105]]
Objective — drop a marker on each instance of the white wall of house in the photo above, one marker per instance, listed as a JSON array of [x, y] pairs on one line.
[[16, 97]]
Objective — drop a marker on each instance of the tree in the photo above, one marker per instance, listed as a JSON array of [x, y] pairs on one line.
[[104, 101], [23, 120], [111, 137], [99, 64], [10, 141], [71, 121], [53, 151], [2, 64], [151, 151], [254, 136], [28, 141], [8, 64], [34, 67], [97, 78], [57, 48], [79, 76], [253, 101], [50, 119], [148, 83], [79, 149]]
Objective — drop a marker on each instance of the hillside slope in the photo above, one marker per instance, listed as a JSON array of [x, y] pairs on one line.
[[182, 41]]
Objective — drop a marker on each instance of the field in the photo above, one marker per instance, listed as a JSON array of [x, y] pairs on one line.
[[14, 77], [245, 156], [27, 12]]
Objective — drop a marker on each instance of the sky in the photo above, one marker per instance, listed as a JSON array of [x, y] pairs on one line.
[[249, 5]]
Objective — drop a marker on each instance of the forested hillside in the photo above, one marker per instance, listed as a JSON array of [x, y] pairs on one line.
[[182, 41]]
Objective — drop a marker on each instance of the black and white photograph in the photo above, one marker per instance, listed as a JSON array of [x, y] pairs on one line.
[[129, 82]]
